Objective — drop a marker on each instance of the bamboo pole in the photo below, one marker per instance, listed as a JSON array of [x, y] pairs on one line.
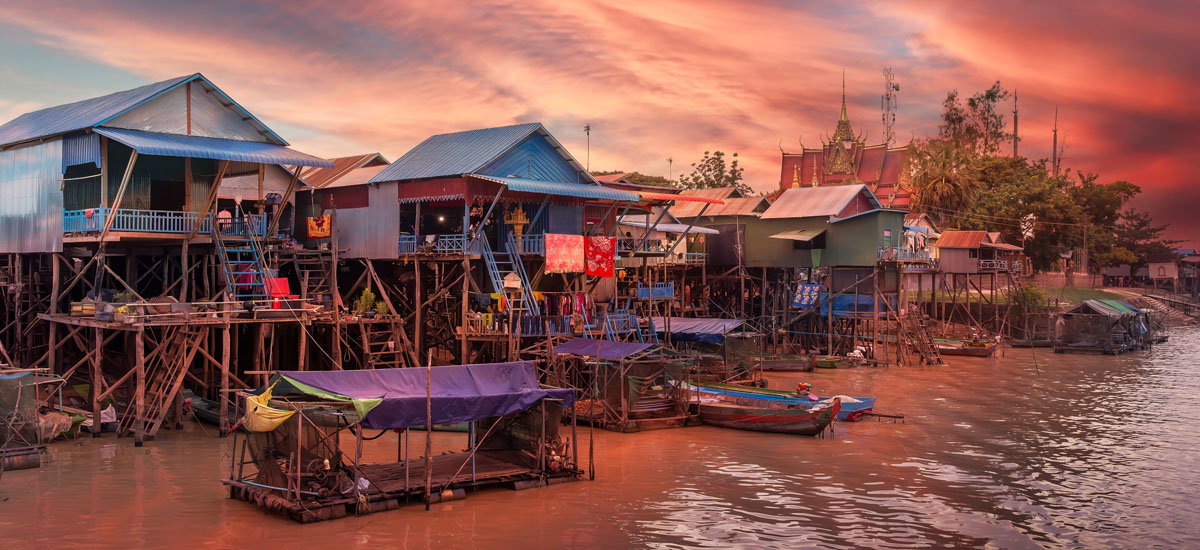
[[139, 349], [428, 430]]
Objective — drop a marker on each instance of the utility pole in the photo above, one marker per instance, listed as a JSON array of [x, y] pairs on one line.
[[670, 169], [1016, 137], [587, 129], [1054, 151]]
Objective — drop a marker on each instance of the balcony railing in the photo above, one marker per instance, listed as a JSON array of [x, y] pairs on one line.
[[531, 245], [993, 265], [895, 254], [92, 220], [453, 243], [696, 257], [657, 291]]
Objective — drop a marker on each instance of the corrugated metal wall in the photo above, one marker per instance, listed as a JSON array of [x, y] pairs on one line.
[[81, 148], [371, 232], [31, 203], [533, 158]]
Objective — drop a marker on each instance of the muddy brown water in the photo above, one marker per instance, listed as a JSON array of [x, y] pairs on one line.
[[1093, 452]]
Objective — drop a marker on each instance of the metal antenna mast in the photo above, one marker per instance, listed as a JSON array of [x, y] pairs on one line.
[[587, 129], [889, 102]]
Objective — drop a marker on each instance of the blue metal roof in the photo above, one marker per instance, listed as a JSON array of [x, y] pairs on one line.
[[94, 112], [455, 154], [579, 190], [177, 145], [81, 114]]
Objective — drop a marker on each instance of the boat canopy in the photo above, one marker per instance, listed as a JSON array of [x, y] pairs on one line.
[[711, 330], [607, 350], [395, 398]]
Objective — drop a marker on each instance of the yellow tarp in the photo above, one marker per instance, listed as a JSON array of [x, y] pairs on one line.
[[260, 416]]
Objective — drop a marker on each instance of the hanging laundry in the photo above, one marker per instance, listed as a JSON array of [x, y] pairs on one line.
[[564, 253], [318, 227], [600, 253]]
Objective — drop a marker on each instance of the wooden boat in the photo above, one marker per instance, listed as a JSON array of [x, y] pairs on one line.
[[787, 363], [831, 362], [966, 350], [1023, 343], [852, 408], [206, 410], [765, 415]]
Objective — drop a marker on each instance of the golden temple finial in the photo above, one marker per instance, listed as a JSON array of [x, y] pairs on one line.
[[843, 133], [815, 183], [796, 175]]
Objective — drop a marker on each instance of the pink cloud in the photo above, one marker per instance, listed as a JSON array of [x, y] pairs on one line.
[[670, 79]]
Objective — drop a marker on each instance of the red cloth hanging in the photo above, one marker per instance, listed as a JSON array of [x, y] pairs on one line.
[[564, 253], [600, 253]]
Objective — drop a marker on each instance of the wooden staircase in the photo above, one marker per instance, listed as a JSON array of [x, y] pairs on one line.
[[165, 369], [921, 339], [381, 348]]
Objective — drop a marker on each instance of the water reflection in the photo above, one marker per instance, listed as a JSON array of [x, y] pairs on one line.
[[1080, 452]]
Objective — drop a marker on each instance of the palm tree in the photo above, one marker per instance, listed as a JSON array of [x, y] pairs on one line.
[[945, 180]]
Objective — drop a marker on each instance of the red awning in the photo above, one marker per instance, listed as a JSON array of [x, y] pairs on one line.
[[680, 198]]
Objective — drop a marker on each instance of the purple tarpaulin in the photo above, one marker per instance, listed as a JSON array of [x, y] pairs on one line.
[[459, 393], [602, 349], [698, 329]]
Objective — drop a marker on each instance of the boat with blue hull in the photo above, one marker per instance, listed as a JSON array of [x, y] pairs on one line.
[[852, 408]]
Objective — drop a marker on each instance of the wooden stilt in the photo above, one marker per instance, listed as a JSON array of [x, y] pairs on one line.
[[97, 377], [224, 396], [139, 425]]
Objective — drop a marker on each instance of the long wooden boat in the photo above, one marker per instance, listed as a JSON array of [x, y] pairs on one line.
[[207, 411], [787, 363], [1023, 343], [852, 408], [765, 415], [832, 362], [967, 350]]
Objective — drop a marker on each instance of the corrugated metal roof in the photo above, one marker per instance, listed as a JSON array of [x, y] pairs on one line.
[[677, 197], [358, 176], [810, 202], [669, 227], [739, 206], [579, 190], [81, 114], [94, 112], [961, 239], [175, 145], [342, 166], [804, 235], [457, 153]]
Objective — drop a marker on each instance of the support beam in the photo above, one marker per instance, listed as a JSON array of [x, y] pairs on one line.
[[139, 426], [287, 196]]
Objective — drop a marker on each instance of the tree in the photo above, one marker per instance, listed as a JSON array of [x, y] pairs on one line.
[[712, 172], [1100, 206], [978, 124], [945, 179], [1137, 233]]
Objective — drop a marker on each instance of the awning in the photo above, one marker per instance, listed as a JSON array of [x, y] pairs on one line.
[[670, 227], [675, 197], [395, 398], [176, 145], [698, 329], [1003, 246], [804, 235], [607, 350], [579, 190]]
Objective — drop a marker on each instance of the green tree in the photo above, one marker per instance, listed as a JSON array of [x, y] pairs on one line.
[[1100, 206], [1137, 233], [945, 179], [976, 124], [712, 171]]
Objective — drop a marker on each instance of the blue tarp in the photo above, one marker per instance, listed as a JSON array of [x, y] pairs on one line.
[[711, 330], [844, 305], [607, 350], [395, 398]]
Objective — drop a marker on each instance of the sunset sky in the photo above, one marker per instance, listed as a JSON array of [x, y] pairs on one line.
[[654, 79]]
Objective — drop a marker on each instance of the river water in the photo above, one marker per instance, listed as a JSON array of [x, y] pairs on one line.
[[1020, 451]]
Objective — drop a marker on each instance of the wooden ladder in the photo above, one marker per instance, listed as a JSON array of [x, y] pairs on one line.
[[382, 348], [164, 378]]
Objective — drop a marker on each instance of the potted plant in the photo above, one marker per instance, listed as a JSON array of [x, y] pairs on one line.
[[364, 306]]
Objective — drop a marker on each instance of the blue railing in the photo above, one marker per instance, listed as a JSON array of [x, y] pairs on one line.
[[531, 245], [454, 243], [657, 291], [893, 253], [695, 257], [155, 221]]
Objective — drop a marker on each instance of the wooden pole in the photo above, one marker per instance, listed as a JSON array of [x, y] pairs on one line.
[[221, 400], [139, 349], [428, 429], [97, 377]]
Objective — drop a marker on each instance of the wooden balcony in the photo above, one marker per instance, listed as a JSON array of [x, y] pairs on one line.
[[129, 220], [448, 244]]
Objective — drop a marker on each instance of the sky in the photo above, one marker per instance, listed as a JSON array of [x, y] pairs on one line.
[[655, 80]]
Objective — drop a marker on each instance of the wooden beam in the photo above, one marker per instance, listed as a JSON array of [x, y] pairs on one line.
[[287, 196], [209, 201], [139, 350]]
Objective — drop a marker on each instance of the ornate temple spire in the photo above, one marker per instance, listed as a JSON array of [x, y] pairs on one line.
[[843, 132]]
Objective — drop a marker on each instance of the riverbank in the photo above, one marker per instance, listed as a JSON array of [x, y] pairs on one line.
[[1077, 451]]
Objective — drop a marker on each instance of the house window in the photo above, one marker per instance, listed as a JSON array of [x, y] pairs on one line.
[[972, 253], [1162, 271], [887, 237]]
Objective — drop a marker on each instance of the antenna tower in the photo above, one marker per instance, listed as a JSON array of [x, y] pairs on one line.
[[889, 102]]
